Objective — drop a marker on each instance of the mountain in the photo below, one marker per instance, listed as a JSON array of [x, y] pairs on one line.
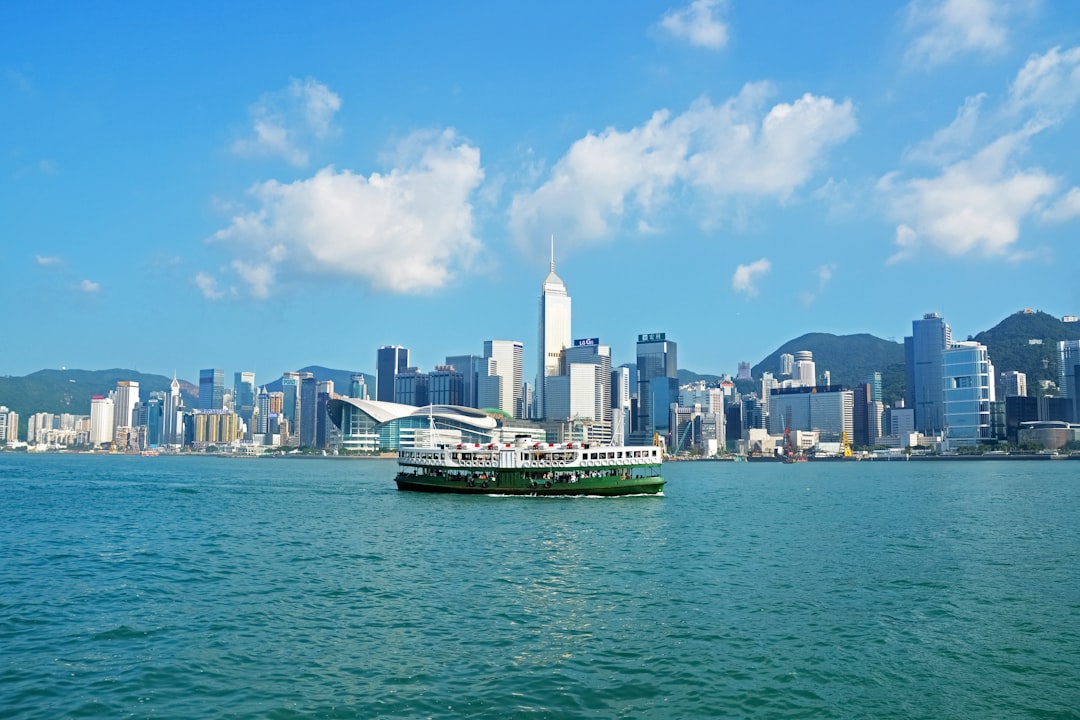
[[1027, 341], [341, 379], [688, 376], [848, 358], [69, 391]]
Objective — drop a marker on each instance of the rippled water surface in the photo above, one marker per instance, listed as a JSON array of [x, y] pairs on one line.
[[201, 587]]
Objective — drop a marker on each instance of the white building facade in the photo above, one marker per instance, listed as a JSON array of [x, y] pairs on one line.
[[554, 334]]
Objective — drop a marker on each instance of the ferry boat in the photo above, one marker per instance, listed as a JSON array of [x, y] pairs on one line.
[[532, 469]]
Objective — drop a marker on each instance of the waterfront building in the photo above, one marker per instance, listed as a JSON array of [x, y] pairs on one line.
[[829, 411], [446, 386], [658, 384], [152, 416], [211, 389], [874, 381], [968, 391], [621, 391], [308, 406], [472, 368], [923, 349], [244, 399], [263, 403], [370, 426], [580, 397], [101, 420], [1068, 372], [554, 335], [203, 428], [502, 386], [125, 399], [290, 397], [411, 387], [325, 433], [9, 425], [172, 415], [861, 414], [389, 361], [768, 384]]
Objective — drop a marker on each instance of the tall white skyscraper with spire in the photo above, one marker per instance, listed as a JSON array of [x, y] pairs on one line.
[[554, 331], [172, 422]]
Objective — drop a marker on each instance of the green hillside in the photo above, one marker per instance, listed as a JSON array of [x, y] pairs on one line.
[[848, 358], [70, 391], [1010, 346]]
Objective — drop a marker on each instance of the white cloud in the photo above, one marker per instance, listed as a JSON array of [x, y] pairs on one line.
[[208, 286], [981, 193], [975, 205], [288, 122], [1065, 209], [88, 286], [951, 142], [404, 231], [947, 29], [47, 260], [746, 276], [824, 275], [698, 23], [738, 148], [1048, 84], [258, 276]]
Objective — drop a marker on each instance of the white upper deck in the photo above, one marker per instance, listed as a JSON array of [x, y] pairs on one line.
[[530, 456]]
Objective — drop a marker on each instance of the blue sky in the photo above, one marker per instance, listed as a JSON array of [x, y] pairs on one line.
[[264, 186]]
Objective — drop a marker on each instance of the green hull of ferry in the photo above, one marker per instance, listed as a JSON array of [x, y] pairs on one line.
[[598, 481]]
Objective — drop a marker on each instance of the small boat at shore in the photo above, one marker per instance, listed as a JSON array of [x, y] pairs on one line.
[[532, 469]]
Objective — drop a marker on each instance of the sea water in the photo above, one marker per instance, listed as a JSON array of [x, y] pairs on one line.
[[191, 587]]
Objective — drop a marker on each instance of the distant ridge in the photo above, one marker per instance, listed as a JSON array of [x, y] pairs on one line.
[[69, 391], [1011, 347], [848, 358], [341, 379]]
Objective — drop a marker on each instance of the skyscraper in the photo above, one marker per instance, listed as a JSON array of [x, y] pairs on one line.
[[967, 392], [171, 422], [389, 361], [580, 396], [290, 398], [1068, 374], [502, 386], [101, 420], [308, 406], [126, 398], [929, 338], [554, 332], [658, 383], [244, 398], [620, 405], [472, 368], [212, 389], [805, 371]]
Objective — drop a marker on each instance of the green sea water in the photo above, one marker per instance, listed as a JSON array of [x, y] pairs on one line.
[[170, 587]]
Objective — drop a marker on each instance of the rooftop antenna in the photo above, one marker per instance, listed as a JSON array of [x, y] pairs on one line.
[[553, 252]]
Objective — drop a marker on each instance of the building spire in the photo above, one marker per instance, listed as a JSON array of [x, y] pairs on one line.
[[553, 252]]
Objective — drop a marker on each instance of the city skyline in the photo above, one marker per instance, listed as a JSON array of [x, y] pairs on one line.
[[720, 171]]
